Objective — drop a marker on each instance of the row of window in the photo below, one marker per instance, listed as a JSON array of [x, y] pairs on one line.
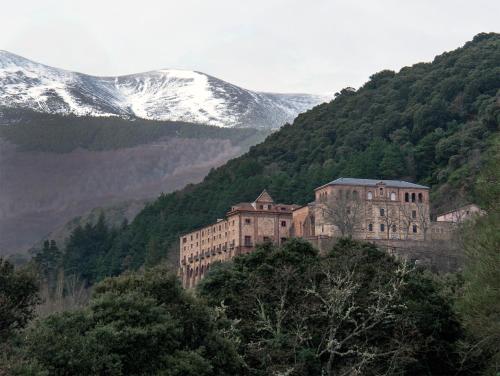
[[413, 197], [413, 213], [393, 228], [248, 221]]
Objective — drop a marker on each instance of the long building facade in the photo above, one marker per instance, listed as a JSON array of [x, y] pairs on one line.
[[367, 209], [245, 225]]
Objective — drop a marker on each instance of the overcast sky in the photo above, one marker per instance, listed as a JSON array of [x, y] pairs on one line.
[[316, 46]]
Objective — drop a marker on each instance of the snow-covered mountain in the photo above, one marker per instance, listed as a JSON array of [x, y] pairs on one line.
[[167, 94]]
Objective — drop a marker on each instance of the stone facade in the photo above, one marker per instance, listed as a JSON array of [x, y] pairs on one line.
[[245, 225], [369, 210]]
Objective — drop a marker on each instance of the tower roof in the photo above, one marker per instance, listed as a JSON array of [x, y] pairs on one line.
[[264, 197]]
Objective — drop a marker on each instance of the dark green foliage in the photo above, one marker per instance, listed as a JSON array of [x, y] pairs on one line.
[[135, 325], [48, 261], [61, 134], [288, 301], [479, 301], [86, 250], [429, 123], [18, 298]]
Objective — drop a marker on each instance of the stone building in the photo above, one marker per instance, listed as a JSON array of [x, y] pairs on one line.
[[390, 213], [461, 214], [366, 209], [245, 225]]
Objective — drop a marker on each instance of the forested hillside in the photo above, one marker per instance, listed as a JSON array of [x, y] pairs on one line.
[[55, 168], [430, 123]]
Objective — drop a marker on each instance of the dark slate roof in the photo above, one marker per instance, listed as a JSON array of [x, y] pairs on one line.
[[374, 182]]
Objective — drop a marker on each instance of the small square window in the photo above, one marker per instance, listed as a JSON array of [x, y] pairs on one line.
[[247, 221], [283, 223]]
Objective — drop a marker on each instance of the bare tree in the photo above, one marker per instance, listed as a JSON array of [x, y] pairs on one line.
[[406, 218], [348, 324], [389, 217], [423, 218], [344, 211]]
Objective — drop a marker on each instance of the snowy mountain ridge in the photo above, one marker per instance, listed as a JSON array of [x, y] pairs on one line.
[[166, 94]]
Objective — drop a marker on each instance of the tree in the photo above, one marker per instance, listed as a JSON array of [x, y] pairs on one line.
[[18, 298], [48, 262], [343, 211], [136, 324], [479, 303], [389, 216], [423, 218], [349, 323], [355, 310]]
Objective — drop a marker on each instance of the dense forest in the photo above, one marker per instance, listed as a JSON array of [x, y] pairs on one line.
[[430, 123]]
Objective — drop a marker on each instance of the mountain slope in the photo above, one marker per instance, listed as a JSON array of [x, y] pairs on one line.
[[167, 94], [431, 123], [54, 168]]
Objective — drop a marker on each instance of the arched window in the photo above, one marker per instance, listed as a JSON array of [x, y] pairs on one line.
[[370, 227], [393, 196], [420, 197], [407, 197], [413, 197], [369, 195]]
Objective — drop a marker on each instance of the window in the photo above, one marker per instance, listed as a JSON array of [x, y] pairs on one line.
[[413, 197], [269, 207], [248, 241], [283, 223], [382, 227], [393, 196], [420, 197], [184, 240], [266, 239], [191, 237], [381, 192], [382, 212], [283, 240], [261, 207], [393, 228], [348, 210], [407, 197], [283, 209], [370, 227], [247, 221], [415, 229], [369, 195], [414, 214]]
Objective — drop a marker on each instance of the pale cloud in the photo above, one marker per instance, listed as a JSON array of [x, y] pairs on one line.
[[313, 46]]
